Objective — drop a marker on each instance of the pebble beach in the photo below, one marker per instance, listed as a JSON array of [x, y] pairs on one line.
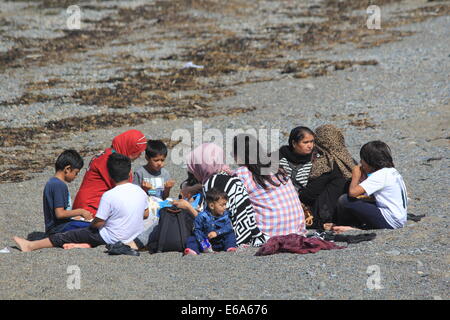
[[267, 65]]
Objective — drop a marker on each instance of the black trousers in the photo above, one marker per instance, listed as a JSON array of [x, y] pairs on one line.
[[84, 235], [360, 214], [321, 195]]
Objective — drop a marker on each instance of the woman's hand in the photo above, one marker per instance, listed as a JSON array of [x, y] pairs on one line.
[[182, 204], [185, 205]]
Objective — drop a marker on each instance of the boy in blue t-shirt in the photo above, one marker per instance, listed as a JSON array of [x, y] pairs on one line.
[[119, 220], [57, 203], [213, 230]]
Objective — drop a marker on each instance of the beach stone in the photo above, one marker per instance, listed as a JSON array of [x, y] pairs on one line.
[[393, 252], [400, 104], [368, 88], [310, 273]]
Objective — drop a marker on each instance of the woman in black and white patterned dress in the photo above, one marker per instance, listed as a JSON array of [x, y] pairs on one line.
[[206, 163]]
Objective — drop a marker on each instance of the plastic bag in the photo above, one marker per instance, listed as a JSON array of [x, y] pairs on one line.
[[5, 250]]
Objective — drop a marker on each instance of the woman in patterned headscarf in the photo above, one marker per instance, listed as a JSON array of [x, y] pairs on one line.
[[326, 168]]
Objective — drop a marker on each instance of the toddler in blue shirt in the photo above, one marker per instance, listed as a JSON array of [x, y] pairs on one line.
[[213, 230]]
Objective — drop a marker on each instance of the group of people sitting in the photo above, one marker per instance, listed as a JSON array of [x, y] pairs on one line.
[[316, 184]]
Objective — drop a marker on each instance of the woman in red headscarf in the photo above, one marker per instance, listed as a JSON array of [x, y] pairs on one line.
[[97, 181]]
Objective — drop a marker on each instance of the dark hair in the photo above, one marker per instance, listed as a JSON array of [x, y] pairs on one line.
[[155, 148], [377, 154], [190, 181], [297, 134], [214, 194], [253, 154], [119, 167], [69, 158]]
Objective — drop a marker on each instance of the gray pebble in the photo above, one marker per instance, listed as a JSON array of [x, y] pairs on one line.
[[405, 97], [393, 252]]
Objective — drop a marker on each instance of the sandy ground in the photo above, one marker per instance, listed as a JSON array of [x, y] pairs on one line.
[[403, 99]]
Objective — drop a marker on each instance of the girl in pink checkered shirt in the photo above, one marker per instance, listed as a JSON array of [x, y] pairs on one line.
[[273, 196]]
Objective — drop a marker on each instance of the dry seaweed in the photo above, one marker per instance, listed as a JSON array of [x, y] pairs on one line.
[[17, 166], [304, 68], [185, 93]]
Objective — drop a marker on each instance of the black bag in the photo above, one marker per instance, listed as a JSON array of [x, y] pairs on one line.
[[174, 227]]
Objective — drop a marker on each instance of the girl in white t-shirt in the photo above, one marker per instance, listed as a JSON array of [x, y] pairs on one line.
[[377, 177]]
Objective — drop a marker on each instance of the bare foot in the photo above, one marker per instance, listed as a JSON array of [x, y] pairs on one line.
[[68, 246], [132, 245], [341, 229], [23, 244]]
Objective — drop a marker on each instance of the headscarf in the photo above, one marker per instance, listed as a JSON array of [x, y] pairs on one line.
[[206, 160], [129, 143], [330, 144], [293, 157]]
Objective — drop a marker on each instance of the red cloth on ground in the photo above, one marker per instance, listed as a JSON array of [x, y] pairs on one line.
[[295, 243], [97, 181]]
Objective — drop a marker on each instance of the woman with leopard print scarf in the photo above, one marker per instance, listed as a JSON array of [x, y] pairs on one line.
[[320, 166]]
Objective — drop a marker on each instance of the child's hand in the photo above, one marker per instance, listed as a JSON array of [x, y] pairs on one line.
[[146, 185], [169, 184], [212, 235], [363, 176], [86, 215], [357, 172]]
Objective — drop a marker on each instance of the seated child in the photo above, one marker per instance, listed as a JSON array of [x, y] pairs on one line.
[[119, 217], [212, 226], [375, 176], [57, 202], [152, 177]]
